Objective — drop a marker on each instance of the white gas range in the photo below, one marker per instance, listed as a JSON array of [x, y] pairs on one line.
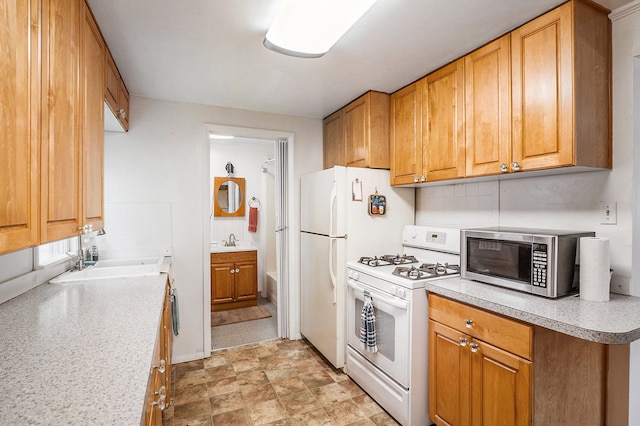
[[396, 374]]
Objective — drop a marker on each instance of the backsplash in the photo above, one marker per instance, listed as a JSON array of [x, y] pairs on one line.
[[569, 202]]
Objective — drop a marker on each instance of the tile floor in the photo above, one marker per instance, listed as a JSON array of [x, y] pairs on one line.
[[279, 382], [242, 333]]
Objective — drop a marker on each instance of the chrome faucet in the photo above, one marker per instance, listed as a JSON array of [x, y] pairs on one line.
[[231, 242]]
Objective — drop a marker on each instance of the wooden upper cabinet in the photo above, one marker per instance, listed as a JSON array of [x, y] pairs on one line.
[[561, 88], [405, 132], [61, 163], [19, 127], [443, 151], [92, 80], [333, 148], [115, 92], [358, 134], [487, 76], [366, 124]]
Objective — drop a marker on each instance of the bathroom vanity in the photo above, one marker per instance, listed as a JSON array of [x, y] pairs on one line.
[[234, 277]]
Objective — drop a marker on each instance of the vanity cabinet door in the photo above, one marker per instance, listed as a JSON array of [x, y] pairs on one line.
[[222, 283], [246, 281]]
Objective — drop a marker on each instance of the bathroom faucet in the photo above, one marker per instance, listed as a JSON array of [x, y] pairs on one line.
[[231, 242]]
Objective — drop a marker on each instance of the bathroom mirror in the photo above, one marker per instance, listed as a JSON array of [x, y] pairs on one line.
[[228, 196]]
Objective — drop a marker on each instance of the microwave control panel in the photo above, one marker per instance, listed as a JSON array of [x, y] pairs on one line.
[[539, 265]]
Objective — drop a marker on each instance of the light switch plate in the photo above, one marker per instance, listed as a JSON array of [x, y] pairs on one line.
[[608, 212]]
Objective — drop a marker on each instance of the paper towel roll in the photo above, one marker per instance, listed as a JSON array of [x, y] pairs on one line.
[[594, 269]]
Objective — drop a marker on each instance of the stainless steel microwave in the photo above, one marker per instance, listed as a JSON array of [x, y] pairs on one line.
[[537, 261]]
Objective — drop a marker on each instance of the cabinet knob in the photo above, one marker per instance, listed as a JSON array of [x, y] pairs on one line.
[[463, 341], [162, 392], [468, 323], [474, 347], [415, 179], [504, 168], [160, 367], [237, 270], [122, 113], [232, 270], [423, 178], [515, 166]]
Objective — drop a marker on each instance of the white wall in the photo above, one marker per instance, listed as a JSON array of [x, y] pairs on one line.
[[162, 159]]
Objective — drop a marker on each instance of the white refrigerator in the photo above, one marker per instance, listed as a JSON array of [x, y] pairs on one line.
[[337, 225]]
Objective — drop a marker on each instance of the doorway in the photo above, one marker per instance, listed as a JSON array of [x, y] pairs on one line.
[[262, 158]]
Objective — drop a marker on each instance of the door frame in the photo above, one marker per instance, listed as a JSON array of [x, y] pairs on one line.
[[289, 310]]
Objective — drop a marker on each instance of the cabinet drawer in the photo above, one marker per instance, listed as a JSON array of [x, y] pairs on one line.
[[507, 334], [236, 256]]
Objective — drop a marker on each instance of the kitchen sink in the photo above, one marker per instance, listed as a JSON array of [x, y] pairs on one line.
[[113, 268]]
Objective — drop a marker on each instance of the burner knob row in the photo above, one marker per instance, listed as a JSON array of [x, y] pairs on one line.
[[398, 291], [353, 275]]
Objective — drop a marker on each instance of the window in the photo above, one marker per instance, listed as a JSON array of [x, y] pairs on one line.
[[49, 253]]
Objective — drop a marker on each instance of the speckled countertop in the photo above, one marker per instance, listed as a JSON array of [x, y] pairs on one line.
[[79, 353], [614, 322]]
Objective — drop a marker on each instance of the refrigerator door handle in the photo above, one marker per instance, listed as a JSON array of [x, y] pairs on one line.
[[331, 273], [332, 203]]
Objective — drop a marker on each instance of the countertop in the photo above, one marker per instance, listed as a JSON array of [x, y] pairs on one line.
[[79, 353], [218, 248], [614, 322]]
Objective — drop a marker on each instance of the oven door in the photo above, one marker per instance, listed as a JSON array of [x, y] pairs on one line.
[[392, 330]]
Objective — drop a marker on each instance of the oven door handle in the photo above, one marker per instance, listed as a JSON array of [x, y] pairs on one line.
[[388, 300]]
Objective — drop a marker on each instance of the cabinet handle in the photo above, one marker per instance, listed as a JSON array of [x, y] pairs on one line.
[[515, 166], [504, 168], [160, 367], [463, 342], [162, 392], [468, 323], [161, 403], [474, 347]]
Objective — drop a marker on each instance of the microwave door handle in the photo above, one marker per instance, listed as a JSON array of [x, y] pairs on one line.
[[332, 274]]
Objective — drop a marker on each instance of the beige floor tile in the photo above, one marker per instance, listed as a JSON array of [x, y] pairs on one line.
[[299, 402], [235, 417], [317, 417], [343, 412], [316, 379], [222, 386], [195, 412], [267, 412], [330, 394], [226, 402], [288, 385], [258, 393]]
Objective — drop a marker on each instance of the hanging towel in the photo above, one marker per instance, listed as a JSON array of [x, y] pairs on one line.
[[174, 311], [368, 326], [253, 219]]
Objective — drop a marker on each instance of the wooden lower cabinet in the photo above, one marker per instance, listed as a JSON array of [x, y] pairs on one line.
[[234, 280], [158, 395], [482, 372]]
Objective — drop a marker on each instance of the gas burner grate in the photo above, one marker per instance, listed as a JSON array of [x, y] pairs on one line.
[[440, 269], [374, 261], [400, 259], [410, 272]]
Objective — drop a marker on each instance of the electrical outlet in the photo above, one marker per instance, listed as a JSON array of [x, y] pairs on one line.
[[608, 212]]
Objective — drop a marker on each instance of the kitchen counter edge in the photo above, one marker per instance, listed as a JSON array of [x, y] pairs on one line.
[[614, 322]]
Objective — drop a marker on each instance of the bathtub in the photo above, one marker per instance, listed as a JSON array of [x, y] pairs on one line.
[[272, 287]]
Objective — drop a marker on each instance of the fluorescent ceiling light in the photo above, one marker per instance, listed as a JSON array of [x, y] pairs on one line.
[[215, 136], [308, 28]]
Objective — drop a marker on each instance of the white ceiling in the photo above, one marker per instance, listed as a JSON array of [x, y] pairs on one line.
[[211, 52]]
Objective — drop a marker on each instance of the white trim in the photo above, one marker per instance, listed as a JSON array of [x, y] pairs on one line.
[[626, 10]]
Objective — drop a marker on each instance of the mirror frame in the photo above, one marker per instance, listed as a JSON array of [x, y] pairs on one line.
[[217, 211]]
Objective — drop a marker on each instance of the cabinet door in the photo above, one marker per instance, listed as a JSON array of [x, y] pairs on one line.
[[406, 134], [112, 83], [19, 98], [222, 283], [333, 148], [449, 376], [487, 76], [443, 150], [356, 131], [61, 164], [246, 281], [500, 387], [123, 103], [542, 91], [93, 48]]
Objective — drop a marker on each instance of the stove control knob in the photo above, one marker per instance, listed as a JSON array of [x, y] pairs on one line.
[[393, 289], [401, 293], [356, 276], [349, 274]]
